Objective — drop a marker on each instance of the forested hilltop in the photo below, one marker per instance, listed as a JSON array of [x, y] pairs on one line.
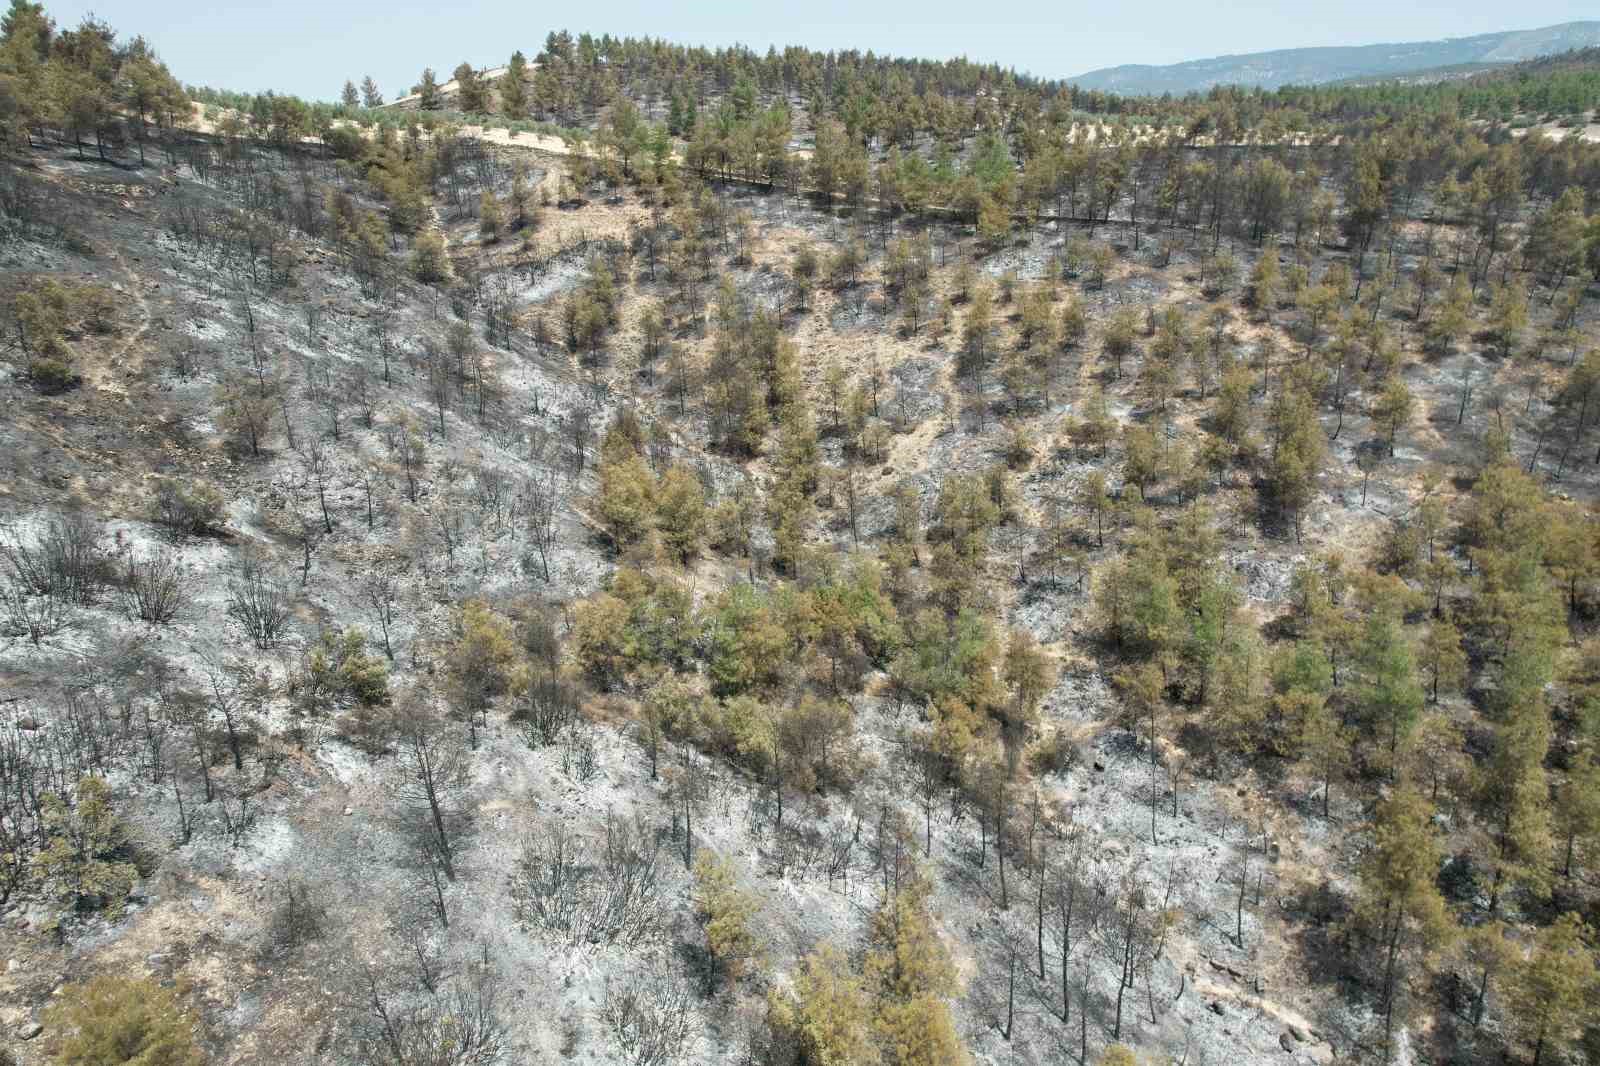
[[654, 555], [571, 82]]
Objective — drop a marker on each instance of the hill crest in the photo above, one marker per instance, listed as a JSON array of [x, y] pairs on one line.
[[1307, 66]]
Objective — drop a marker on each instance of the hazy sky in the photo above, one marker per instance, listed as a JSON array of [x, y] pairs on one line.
[[309, 47]]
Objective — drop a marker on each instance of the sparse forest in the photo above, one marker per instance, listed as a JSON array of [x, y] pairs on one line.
[[658, 555]]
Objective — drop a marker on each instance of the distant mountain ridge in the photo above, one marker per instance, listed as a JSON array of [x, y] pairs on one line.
[[1311, 66]]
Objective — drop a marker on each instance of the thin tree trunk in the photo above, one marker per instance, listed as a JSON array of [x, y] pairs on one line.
[[1038, 910]]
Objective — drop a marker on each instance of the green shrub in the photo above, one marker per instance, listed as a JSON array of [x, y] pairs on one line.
[[1018, 446], [80, 865], [341, 666], [51, 376], [114, 1020], [195, 507], [429, 263], [49, 311]]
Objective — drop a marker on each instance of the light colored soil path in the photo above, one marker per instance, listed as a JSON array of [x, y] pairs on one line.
[[107, 373]]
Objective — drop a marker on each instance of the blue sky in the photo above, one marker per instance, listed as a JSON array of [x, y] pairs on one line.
[[309, 47]]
